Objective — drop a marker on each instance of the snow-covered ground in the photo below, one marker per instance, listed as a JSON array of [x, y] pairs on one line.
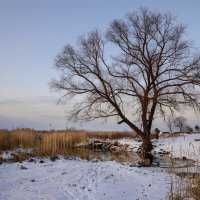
[[77, 179], [184, 145], [80, 180]]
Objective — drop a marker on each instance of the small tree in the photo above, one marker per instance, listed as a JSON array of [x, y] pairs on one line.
[[170, 123], [197, 128], [188, 129], [180, 123], [155, 70]]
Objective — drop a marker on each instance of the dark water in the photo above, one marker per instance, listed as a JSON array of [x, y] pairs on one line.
[[132, 158], [167, 162], [122, 157]]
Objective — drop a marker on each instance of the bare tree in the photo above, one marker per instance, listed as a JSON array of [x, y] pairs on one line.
[[180, 122], [154, 70], [170, 123]]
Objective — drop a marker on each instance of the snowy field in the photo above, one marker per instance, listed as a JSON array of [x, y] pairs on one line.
[[77, 179], [80, 180], [181, 146]]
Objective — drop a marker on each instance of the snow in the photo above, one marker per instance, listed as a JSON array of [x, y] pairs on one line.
[[179, 147], [80, 179], [182, 146], [6, 155], [77, 179]]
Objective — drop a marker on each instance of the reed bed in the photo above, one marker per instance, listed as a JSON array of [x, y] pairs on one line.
[[50, 143]]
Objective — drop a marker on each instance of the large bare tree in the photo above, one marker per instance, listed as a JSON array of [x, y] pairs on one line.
[[154, 70]]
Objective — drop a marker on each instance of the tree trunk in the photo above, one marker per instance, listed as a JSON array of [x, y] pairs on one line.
[[145, 152], [146, 145]]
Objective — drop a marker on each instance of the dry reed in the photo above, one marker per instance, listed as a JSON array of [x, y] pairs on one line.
[[194, 187], [49, 143], [185, 184]]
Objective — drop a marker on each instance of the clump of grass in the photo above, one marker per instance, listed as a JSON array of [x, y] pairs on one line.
[[20, 156], [185, 188], [60, 143], [111, 135], [49, 143], [194, 187], [16, 139]]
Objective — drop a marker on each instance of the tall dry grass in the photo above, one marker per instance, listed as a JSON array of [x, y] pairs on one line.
[[194, 187], [185, 182], [48, 143], [186, 187]]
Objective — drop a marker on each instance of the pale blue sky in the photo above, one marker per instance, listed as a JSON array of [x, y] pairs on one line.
[[33, 32]]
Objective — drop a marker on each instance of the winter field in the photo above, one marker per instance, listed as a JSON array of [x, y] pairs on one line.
[[73, 178]]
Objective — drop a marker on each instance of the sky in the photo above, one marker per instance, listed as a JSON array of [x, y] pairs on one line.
[[33, 32]]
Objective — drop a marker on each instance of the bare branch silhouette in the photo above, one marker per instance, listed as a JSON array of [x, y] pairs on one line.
[[156, 69]]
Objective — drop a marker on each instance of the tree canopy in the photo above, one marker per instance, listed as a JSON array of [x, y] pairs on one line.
[[155, 69]]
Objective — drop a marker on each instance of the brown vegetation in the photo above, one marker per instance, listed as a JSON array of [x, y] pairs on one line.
[[187, 186], [49, 143], [194, 188]]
